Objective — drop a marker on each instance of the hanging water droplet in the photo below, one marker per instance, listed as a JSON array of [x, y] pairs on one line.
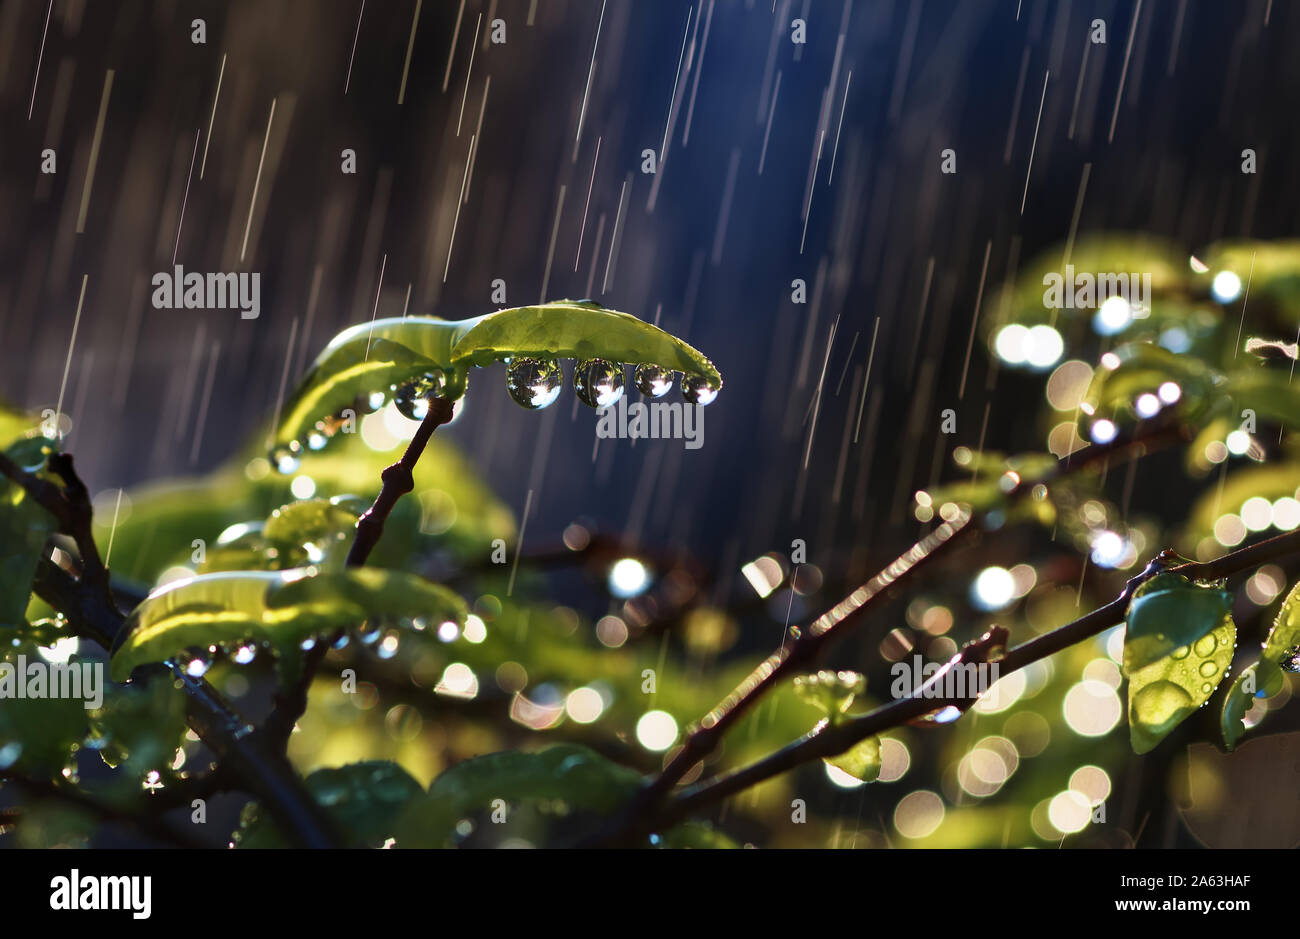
[[196, 666], [534, 383], [286, 458], [412, 398], [374, 401], [1291, 659], [697, 389], [245, 654], [317, 439], [653, 381], [599, 383]]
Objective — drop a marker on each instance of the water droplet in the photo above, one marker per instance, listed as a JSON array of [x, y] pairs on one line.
[[374, 401], [1291, 659], [307, 644], [316, 439], [1205, 645], [196, 666], [286, 458], [1208, 668], [412, 398], [697, 389], [599, 384], [1180, 652], [1206, 688], [654, 381], [534, 383], [795, 632], [245, 654]]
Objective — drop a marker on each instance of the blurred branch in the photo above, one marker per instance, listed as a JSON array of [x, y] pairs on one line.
[[836, 739], [802, 647]]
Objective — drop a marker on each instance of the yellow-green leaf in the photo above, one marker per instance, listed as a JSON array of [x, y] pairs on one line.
[[1161, 695]]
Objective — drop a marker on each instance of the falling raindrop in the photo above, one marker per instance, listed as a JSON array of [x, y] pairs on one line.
[[697, 389], [654, 381], [534, 383], [286, 459], [599, 383]]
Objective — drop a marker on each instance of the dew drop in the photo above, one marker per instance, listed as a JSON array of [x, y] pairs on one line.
[[599, 383], [1208, 668], [316, 440], [654, 381], [245, 654], [534, 383], [286, 459], [1180, 652], [697, 389], [197, 666], [1206, 688], [1206, 645]]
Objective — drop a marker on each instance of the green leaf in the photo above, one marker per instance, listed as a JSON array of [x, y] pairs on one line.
[[365, 799], [282, 608], [1285, 634], [1263, 679], [830, 692], [1168, 612], [315, 531], [1161, 695], [24, 529], [861, 762], [383, 355], [573, 774], [37, 735]]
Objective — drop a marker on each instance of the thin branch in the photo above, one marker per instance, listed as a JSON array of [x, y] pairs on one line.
[[398, 480], [843, 618], [832, 740]]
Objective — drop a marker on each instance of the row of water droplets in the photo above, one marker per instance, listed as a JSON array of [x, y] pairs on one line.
[[532, 384]]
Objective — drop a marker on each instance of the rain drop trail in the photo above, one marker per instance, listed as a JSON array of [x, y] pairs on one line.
[[979, 299], [695, 83], [410, 47], [1034, 147], [211, 117], [203, 405], [348, 82], [373, 313], [455, 222], [840, 126], [185, 200], [762, 156], [63, 385], [1123, 75], [108, 552], [94, 151], [473, 47], [591, 70], [36, 77], [519, 546], [582, 232], [613, 237], [451, 53], [477, 140], [871, 357], [284, 379], [550, 252], [252, 203]]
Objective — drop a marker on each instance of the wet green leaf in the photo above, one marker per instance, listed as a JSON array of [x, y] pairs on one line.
[[830, 692], [24, 529], [379, 356], [1162, 695], [37, 735], [1263, 679], [862, 761], [282, 608], [572, 774], [1284, 635], [366, 800], [1168, 612]]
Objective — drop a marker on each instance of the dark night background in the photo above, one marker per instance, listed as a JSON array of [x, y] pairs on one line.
[[708, 246]]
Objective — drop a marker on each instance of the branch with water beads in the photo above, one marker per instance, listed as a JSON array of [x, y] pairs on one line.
[[87, 603], [807, 645], [398, 479], [830, 740]]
